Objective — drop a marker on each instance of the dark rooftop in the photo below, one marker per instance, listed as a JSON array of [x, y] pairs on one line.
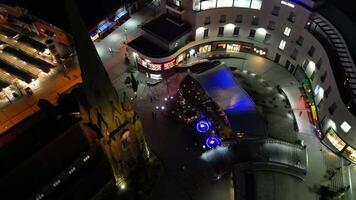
[[166, 29], [148, 48]]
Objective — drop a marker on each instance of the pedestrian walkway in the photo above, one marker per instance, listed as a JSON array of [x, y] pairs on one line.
[[320, 159]]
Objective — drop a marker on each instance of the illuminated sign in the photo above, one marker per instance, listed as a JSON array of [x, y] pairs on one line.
[[148, 65], [169, 64]]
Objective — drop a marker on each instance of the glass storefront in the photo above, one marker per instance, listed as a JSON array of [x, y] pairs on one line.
[[350, 153], [208, 49], [181, 57], [335, 140], [234, 48], [205, 49]]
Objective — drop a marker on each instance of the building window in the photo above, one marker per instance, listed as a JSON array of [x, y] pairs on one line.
[[252, 33], [267, 39], [319, 63], [311, 51], [221, 32], [291, 17], [276, 10], [294, 54], [323, 77], [178, 3], [225, 3], [332, 108], [312, 76], [345, 126], [277, 58], [271, 25], [238, 18], [234, 48], [236, 31], [327, 92], [222, 19], [221, 46], [254, 21], [206, 33], [256, 4], [335, 140], [205, 49], [282, 45], [287, 31], [207, 20], [300, 40], [350, 153]]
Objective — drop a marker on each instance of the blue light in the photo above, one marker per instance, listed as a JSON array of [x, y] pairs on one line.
[[212, 142], [202, 126]]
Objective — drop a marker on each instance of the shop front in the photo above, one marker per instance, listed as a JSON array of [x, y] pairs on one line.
[[116, 19], [194, 54]]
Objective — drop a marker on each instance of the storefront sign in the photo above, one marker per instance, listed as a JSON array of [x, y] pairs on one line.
[[169, 64], [149, 65]]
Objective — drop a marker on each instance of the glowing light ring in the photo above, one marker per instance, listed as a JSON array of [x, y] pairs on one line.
[[212, 142], [202, 126]]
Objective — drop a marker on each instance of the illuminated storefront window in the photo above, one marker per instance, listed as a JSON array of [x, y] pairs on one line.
[[205, 49], [221, 46], [335, 140], [180, 58], [210, 4], [235, 48], [350, 153]]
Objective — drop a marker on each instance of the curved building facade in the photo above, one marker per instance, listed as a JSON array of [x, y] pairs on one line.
[[303, 37]]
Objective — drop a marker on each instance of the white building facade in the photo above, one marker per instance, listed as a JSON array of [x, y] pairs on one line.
[[290, 34]]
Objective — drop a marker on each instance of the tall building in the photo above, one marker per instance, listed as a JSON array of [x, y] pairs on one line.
[[312, 39], [119, 130]]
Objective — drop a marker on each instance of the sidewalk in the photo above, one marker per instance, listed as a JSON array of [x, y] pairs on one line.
[[320, 159]]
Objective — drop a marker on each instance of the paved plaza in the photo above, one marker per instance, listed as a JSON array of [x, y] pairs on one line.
[[262, 76]]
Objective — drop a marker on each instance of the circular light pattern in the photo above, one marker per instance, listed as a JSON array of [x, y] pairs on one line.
[[202, 126], [212, 142]]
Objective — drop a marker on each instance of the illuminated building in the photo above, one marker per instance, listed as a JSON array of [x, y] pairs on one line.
[[311, 39]]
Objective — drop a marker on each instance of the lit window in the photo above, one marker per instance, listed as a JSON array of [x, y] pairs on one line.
[[287, 31], [351, 153], [282, 44], [345, 127], [316, 90], [235, 48], [242, 3], [287, 4], [256, 4], [225, 3], [205, 49], [335, 140]]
